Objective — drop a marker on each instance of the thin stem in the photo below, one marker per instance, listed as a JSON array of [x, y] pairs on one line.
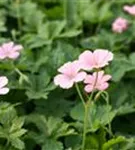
[[107, 102], [105, 95], [23, 76], [90, 98], [79, 93], [85, 125], [86, 106], [18, 71]]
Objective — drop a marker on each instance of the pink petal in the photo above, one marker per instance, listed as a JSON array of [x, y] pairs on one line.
[[80, 76], [89, 79], [63, 81], [17, 48], [3, 81], [2, 54], [13, 55], [126, 8], [98, 75], [8, 46], [102, 57], [86, 60], [70, 68], [65, 67], [129, 9], [103, 86], [120, 25], [4, 91], [105, 78], [88, 88]]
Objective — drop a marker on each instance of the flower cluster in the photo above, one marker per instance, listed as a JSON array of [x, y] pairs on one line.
[[76, 71], [121, 24], [8, 51]]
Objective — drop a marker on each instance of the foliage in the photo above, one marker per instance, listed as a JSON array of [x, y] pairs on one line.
[[38, 115]]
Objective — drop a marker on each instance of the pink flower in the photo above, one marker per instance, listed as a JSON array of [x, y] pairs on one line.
[[69, 75], [3, 82], [98, 59], [10, 50], [130, 9], [96, 81], [119, 25]]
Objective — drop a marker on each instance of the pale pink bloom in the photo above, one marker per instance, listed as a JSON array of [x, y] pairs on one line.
[[119, 25], [96, 81], [10, 50], [98, 59], [3, 82], [130, 9], [69, 75]]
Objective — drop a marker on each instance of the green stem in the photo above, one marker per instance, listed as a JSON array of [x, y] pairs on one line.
[[105, 95], [85, 115], [18, 71], [92, 93], [79, 93], [109, 124], [86, 106], [85, 125], [90, 98]]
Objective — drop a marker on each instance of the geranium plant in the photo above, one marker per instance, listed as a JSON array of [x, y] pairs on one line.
[[89, 70]]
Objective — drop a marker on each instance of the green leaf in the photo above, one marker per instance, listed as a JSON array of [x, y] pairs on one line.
[[119, 67], [71, 14], [39, 86], [62, 53], [112, 142], [35, 41], [70, 33], [11, 125], [17, 124], [99, 115], [59, 26], [29, 13], [53, 103], [2, 133], [17, 143], [104, 12], [2, 27], [73, 141], [17, 134], [51, 127], [123, 99], [132, 58], [92, 142], [89, 13], [51, 29], [7, 113], [52, 145]]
